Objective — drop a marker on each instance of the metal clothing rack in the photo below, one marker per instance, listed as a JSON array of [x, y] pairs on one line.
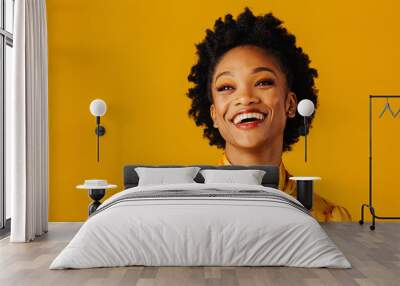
[[369, 205]]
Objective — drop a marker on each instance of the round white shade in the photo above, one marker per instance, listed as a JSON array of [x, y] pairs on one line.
[[98, 107], [305, 107]]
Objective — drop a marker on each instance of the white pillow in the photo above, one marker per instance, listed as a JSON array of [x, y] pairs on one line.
[[248, 177], [162, 176]]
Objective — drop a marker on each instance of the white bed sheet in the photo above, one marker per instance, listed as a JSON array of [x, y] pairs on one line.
[[200, 232]]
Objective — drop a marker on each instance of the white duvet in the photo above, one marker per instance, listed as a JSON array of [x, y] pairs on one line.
[[204, 231]]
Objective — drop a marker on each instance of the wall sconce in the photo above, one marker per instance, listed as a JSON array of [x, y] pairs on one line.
[[306, 109], [98, 108]]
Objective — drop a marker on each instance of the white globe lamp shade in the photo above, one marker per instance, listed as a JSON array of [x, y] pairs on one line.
[[98, 107], [305, 107]]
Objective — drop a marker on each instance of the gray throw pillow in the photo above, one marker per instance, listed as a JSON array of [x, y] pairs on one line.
[[248, 177], [162, 176]]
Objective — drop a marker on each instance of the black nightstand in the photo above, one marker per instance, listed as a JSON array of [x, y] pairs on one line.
[[305, 190], [97, 190]]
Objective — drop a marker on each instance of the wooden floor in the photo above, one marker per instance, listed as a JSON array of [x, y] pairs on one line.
[[375, 256]]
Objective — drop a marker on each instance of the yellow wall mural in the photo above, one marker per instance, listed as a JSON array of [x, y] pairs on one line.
[[136, 55]]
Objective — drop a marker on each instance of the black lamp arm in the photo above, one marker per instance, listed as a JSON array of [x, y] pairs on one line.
[[305, 138], [100, 131]]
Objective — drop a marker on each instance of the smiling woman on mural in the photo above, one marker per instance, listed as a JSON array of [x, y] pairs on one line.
[[249, 77]]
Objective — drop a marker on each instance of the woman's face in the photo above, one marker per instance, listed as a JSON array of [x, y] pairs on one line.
[[251, 100]]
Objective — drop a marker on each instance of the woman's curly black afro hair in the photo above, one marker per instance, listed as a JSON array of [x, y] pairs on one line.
[[267, 33]]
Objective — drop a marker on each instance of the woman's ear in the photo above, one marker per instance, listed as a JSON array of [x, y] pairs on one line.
[[291, 104], [213, 115]]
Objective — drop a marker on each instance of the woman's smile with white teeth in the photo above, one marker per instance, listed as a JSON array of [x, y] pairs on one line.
[[247, 117]]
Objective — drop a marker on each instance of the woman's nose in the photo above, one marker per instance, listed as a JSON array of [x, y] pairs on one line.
[[246, 97]]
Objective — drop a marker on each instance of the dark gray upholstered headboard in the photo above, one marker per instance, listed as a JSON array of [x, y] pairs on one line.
[[270, 179]]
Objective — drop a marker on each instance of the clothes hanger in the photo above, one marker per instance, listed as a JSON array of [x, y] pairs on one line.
[[387, 107]]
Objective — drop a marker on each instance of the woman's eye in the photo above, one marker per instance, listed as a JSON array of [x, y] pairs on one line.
[[265, 82], [224, 88]]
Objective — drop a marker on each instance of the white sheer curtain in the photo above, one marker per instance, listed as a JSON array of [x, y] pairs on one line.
[[27, 124]]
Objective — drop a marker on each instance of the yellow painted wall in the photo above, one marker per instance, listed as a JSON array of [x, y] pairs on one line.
[[136, 55]]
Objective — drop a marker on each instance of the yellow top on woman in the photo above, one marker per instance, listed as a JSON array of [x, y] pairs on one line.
[[322, 210]]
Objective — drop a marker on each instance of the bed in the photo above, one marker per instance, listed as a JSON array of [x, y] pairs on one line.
[[201, 224]]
